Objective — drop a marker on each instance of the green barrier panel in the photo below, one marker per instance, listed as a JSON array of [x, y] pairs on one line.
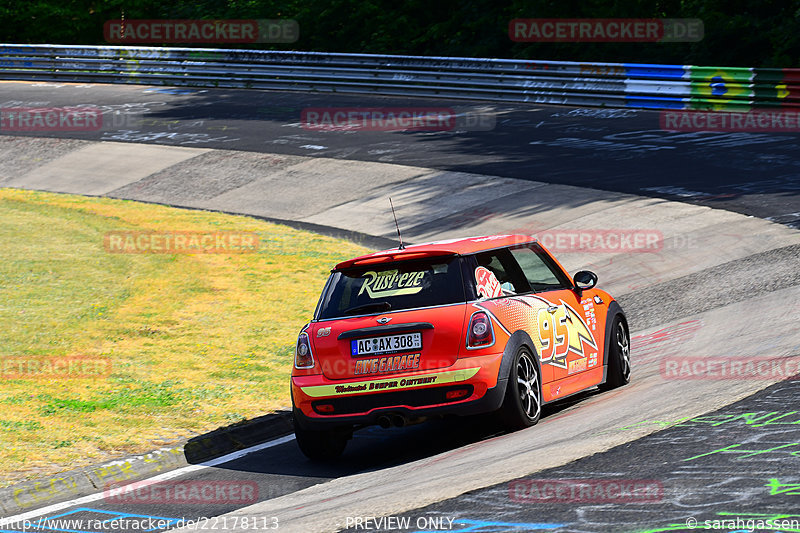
[[777, 87], [720, 87]]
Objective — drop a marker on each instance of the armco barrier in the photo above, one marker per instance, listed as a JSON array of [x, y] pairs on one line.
[[551, 82]]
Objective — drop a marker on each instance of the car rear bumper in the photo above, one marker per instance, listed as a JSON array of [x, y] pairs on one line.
[[353, 405]]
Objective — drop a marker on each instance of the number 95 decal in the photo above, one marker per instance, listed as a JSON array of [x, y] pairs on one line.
[[562, 330]]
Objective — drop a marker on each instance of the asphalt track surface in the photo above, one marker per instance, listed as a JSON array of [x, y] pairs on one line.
[[620, 150], [739, 462], [626, 150]]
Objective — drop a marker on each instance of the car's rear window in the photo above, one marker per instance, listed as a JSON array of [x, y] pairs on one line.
[[392, 287]]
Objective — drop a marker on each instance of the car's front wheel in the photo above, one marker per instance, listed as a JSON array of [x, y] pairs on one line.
[[322, 445], [522, 405], [619, 356]]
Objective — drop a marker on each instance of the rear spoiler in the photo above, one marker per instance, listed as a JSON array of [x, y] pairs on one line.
[[390, 257]]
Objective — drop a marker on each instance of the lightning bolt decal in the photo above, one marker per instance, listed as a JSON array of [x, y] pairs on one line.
[[578, 331]]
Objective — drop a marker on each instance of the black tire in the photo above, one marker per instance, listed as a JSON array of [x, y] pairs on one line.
[[322, 445], [522, 404], [619, 356]]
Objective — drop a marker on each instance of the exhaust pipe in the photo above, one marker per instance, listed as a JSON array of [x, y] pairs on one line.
[[398, 420]]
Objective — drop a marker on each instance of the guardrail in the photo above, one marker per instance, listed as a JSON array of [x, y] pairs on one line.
[[551, 82]]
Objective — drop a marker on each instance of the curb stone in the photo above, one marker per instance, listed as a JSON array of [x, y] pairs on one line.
[[374, 242], [56, 488]]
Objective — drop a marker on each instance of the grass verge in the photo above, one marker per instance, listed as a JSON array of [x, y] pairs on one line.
[[195, 341]]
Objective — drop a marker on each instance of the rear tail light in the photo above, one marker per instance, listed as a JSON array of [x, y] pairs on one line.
[[303, 358], [481, 332]]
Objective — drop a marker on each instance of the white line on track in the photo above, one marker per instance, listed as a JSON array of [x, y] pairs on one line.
[[145, 482]]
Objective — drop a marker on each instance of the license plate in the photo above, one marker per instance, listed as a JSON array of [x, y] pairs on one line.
[[389, 344]]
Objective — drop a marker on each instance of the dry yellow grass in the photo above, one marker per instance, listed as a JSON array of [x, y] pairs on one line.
[[196, 341]]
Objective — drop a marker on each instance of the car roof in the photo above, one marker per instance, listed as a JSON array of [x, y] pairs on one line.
[[465, 246]]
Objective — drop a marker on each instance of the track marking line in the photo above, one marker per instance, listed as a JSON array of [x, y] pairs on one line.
[[83, 500]]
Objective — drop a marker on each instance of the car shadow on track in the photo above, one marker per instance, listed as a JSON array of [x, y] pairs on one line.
[[374, 448]]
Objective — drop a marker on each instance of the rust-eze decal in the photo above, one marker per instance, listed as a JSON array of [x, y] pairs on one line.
[[391, 283], [343, 389]]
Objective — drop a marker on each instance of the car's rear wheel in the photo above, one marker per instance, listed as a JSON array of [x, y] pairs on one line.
[[619, 356], [322, 445], [522, 405]]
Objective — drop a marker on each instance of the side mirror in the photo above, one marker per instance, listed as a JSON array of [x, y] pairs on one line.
[[584, 280]]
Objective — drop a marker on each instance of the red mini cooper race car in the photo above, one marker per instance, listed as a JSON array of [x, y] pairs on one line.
[[460, 327]]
